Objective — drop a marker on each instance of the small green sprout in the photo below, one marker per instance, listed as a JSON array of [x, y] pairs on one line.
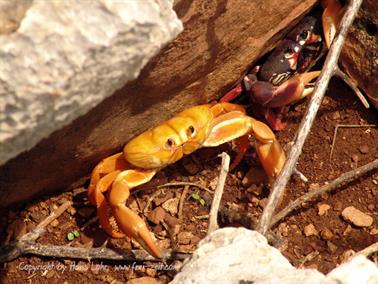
[[196, 196], [72, 235]]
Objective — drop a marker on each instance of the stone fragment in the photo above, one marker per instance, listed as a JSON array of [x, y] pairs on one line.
[[171, 205], [364, 149], [310, 230], [323, 209], [326, 234], [355, 158], [356, 217], [54, 223], [156, 216], [331, 247], [184, 238]]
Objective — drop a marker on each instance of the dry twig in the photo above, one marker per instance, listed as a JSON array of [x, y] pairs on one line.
[[344, 178], [345, 126], [182, 200], [320, 87], [213, 216], [352, 85], [11, 252]]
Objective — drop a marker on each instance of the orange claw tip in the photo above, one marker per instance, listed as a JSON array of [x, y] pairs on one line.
[[146, 241]]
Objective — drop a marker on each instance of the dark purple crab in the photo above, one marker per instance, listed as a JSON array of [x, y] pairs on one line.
[[283, 78]]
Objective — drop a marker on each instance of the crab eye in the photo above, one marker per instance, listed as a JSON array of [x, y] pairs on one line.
[[191, 131], [288, 52], [303, 35], [170, 143]]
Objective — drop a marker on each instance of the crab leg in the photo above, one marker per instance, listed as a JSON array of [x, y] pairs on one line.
[[128, 221], [106, 166]]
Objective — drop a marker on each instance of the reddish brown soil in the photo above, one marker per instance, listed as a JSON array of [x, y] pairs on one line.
[[354, 147]]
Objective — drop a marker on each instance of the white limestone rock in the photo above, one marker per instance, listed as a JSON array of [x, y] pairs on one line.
[[67, 56], [234, 255], [238, 255]]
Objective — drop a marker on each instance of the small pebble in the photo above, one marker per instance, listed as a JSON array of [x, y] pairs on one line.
[[54, 223], [71, 210], [364, 149], [331, 247], [184, 238], [171, 205], [310, 230], [336, 115], [323, 209], [356, 217], [157, 215], [355, 158], [326, 234], [338, 206]]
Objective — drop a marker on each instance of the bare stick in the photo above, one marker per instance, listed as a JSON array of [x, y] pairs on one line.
[[182, 201], [11, 252], [55, 214], [39, 230], [345, 126], [344, 178], [352, 85], [213, 216], [305, 126]]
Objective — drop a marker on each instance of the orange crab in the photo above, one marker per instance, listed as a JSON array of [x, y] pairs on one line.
[[199, 126]]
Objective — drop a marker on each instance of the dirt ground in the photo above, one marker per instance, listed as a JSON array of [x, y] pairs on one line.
[[329, 237]]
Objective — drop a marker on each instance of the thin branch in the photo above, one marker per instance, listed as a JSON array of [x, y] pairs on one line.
[[352, 85], [345, 126], [11, 252], [213, 216], [54, 215], [305, 126], [40, 229], [344, 178], [182, 201]]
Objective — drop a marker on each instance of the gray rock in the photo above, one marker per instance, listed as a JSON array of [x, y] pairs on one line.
[[357, 270], [231, 255], [67, 56], [238, 255]]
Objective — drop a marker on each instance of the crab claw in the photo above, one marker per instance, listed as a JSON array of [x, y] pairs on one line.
[[128, 221], [330, 19], [234, 123], [294, 89]]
